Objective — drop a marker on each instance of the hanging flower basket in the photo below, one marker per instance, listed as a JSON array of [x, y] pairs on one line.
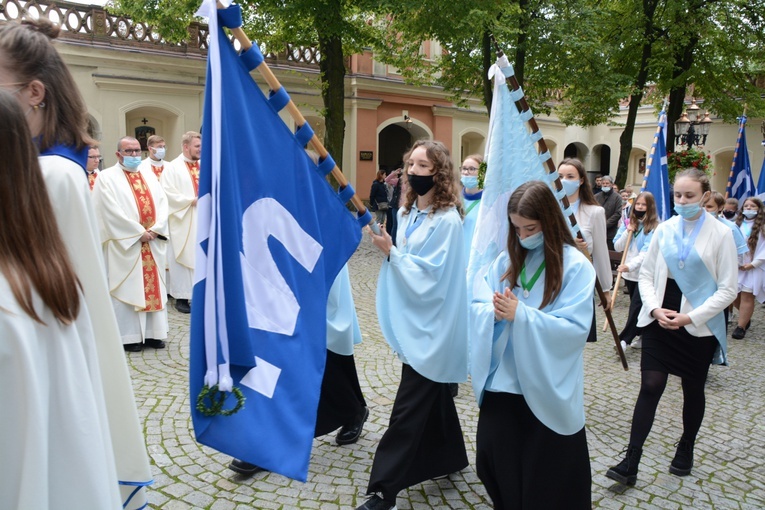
[[690, 158]]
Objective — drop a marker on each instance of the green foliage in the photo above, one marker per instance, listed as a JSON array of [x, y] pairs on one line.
[[689, 158]]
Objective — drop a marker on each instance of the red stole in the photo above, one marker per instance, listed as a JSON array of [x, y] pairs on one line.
[[92, 179], [147, 215], [194, 174], [157, 170]]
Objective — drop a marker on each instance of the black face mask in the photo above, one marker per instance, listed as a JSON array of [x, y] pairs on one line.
[[421, 184], [729, 214], [639, 214]]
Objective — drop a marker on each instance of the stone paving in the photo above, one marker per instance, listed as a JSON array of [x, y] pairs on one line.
[[728, 472]]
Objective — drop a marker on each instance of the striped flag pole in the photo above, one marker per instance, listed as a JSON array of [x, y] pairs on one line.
[[536, 134]]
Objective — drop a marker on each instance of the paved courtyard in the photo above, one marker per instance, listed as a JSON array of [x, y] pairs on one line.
[[729, 471]]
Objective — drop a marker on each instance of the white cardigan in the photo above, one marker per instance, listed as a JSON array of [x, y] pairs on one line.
[[717, 250], [591, 220]]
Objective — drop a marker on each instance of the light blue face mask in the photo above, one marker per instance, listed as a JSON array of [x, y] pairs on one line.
[[749, 214], [570, 186], [469, 181], [688, 211], [533, 241], [606, 189], [131, 162]]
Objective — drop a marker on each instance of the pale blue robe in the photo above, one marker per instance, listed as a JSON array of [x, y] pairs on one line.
[[471, 204], [422, 296], [539, 354], [342, 324]]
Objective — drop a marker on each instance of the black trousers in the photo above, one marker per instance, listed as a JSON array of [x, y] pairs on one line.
[[631, 329], [341, 400], [424, 438], [525, 465]]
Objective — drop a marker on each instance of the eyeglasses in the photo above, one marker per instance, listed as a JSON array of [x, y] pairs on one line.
[[469, 170], [131, 152], [99, 158]]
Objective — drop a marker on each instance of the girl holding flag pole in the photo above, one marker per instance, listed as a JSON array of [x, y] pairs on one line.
[[687, 279], [423, 281], [529, 322]]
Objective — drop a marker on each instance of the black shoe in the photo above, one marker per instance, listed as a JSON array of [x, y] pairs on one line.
[[626, 471], [349, 434], [377, 503], [154, 343], [244, 468], [132, 347], [738, 333], [683, 462], [182, 305], [748, 325], [454, 388]]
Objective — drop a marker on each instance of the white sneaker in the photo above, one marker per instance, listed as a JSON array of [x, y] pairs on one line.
[[624, 346], [637, 343]]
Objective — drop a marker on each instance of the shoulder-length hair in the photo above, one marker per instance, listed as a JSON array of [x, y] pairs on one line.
[[32, 253], [446, 184], [31, 56], [585, 191], [534, 200], [651, 218]]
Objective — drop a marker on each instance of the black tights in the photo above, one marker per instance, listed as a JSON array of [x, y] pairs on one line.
[[652, 386]]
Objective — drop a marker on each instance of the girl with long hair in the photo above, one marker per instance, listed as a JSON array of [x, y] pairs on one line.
[[48, 360], [643, 220], [687, 279], [529, 324], [471, 197], [32, 69], [422, 309], [751, 272]]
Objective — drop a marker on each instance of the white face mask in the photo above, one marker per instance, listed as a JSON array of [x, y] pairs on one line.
[[159, 153]]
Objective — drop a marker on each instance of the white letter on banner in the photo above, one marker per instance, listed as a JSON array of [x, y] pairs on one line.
[[271, 305]]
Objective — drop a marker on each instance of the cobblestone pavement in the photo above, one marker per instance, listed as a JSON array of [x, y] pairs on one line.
[[728, 471]]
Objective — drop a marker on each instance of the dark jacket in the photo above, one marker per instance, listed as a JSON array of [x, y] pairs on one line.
[[612, 203], [378, 193]]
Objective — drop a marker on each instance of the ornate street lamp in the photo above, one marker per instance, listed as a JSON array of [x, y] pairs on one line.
[[692, 127]]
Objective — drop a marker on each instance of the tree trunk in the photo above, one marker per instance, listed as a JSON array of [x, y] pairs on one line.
[[683, 63], [625, 140], [487, 53], [332, 68]]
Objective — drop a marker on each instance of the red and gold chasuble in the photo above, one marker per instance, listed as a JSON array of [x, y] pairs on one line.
[[147, 215], [92, 179], [157, 170], [194, 174]]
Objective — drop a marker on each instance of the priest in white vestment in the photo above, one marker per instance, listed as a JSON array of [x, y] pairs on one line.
[[180, 180], [156, 160], [132, 215]]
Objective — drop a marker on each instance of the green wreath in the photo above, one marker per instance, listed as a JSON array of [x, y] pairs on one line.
[[217, 399]]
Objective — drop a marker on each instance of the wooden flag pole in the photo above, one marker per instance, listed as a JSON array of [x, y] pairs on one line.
[[274, 84], [523, 106]]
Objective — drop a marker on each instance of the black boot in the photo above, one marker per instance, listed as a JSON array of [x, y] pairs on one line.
[[683, 461], [626, 471]]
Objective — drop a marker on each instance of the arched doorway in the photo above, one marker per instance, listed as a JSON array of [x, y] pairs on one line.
[[471, 142], [393, 142], [601, 159]]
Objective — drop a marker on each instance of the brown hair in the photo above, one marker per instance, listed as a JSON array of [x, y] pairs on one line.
[[534, 200], [732, 201], [447, 186], [585, 191], [154, 140], [759, 222], [651, 218], [719, 199], [697, 175], [32, 252], [380, 175], [475, 157], [31, 56]]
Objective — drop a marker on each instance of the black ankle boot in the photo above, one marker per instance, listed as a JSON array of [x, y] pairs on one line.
[[683, 461], [626, 471]]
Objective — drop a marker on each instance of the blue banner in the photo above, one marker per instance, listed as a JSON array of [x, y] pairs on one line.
[[657, 180], [272, 237], [740, 182]]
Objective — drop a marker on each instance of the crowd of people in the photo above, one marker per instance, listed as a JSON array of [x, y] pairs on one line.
[[88, 258]]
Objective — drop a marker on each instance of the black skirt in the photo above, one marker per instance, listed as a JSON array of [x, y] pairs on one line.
[[341, 400], [525, 465], [676, 352], [424, 438]]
